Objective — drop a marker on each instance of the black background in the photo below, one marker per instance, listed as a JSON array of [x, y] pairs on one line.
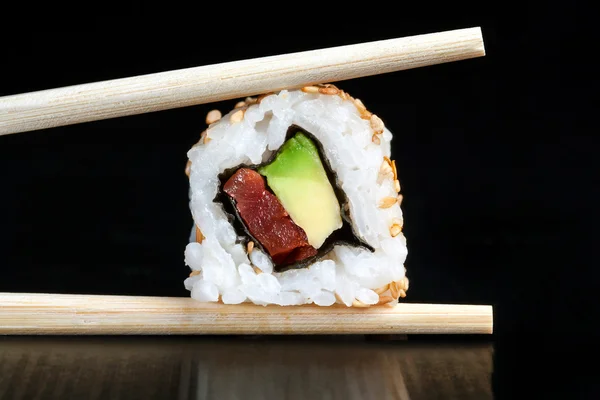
[[496, 160]]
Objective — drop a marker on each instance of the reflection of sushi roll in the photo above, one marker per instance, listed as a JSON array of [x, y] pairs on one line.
[[295, 200]]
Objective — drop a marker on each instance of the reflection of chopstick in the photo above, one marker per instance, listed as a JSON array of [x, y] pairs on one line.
[[199, 368], [186, 87], [125, 315]]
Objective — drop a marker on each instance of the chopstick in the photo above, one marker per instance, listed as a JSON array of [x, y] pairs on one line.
[[58, 314], [217, 82]]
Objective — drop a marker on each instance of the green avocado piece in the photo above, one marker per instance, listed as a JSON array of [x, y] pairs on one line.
[[298, 179]]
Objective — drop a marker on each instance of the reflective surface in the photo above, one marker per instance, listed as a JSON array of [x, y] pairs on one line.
[[242, 368], [249, 368]]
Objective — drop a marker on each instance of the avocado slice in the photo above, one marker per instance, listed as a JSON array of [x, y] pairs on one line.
[[298, 179]]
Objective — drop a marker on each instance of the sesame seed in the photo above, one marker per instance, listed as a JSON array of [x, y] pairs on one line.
[[402, 293], [250, 100], [382, 289], [400, 198], [376, 124], [394, 169], [360, 106], [188, 168], [310, 89], [366, 115], [385, 168], [394, 290], [343, 95], [331, 90], [397, 185], [199, 235], [237, 116], [385, 300], [384, 171], [387, 202], [250, 247], [375, 139], [240, 104], [400, 284], [213, 116], [194, 273], [405, 279], [395, 230], [257, 270]]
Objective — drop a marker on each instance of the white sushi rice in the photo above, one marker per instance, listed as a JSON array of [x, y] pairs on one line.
[[350, 273]]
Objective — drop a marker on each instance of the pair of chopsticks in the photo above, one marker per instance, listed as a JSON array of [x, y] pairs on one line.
[[73, 314]]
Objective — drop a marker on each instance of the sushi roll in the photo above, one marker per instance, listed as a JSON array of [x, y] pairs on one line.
[[296, 200]]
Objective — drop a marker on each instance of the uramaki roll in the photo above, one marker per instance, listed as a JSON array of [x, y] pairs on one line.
[[295, 200]]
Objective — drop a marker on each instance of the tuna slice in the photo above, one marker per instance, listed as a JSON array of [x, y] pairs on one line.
[[266, 219]]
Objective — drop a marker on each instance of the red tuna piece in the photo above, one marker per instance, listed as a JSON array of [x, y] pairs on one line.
[[266, 219]]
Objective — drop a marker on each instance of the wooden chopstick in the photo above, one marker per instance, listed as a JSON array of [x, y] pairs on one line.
[[192, 86], [57, 314]]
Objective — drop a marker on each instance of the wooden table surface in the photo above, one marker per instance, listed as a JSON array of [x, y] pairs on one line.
[[325, 367]]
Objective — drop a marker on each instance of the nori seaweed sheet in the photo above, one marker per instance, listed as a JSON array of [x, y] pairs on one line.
[[342, 236]]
